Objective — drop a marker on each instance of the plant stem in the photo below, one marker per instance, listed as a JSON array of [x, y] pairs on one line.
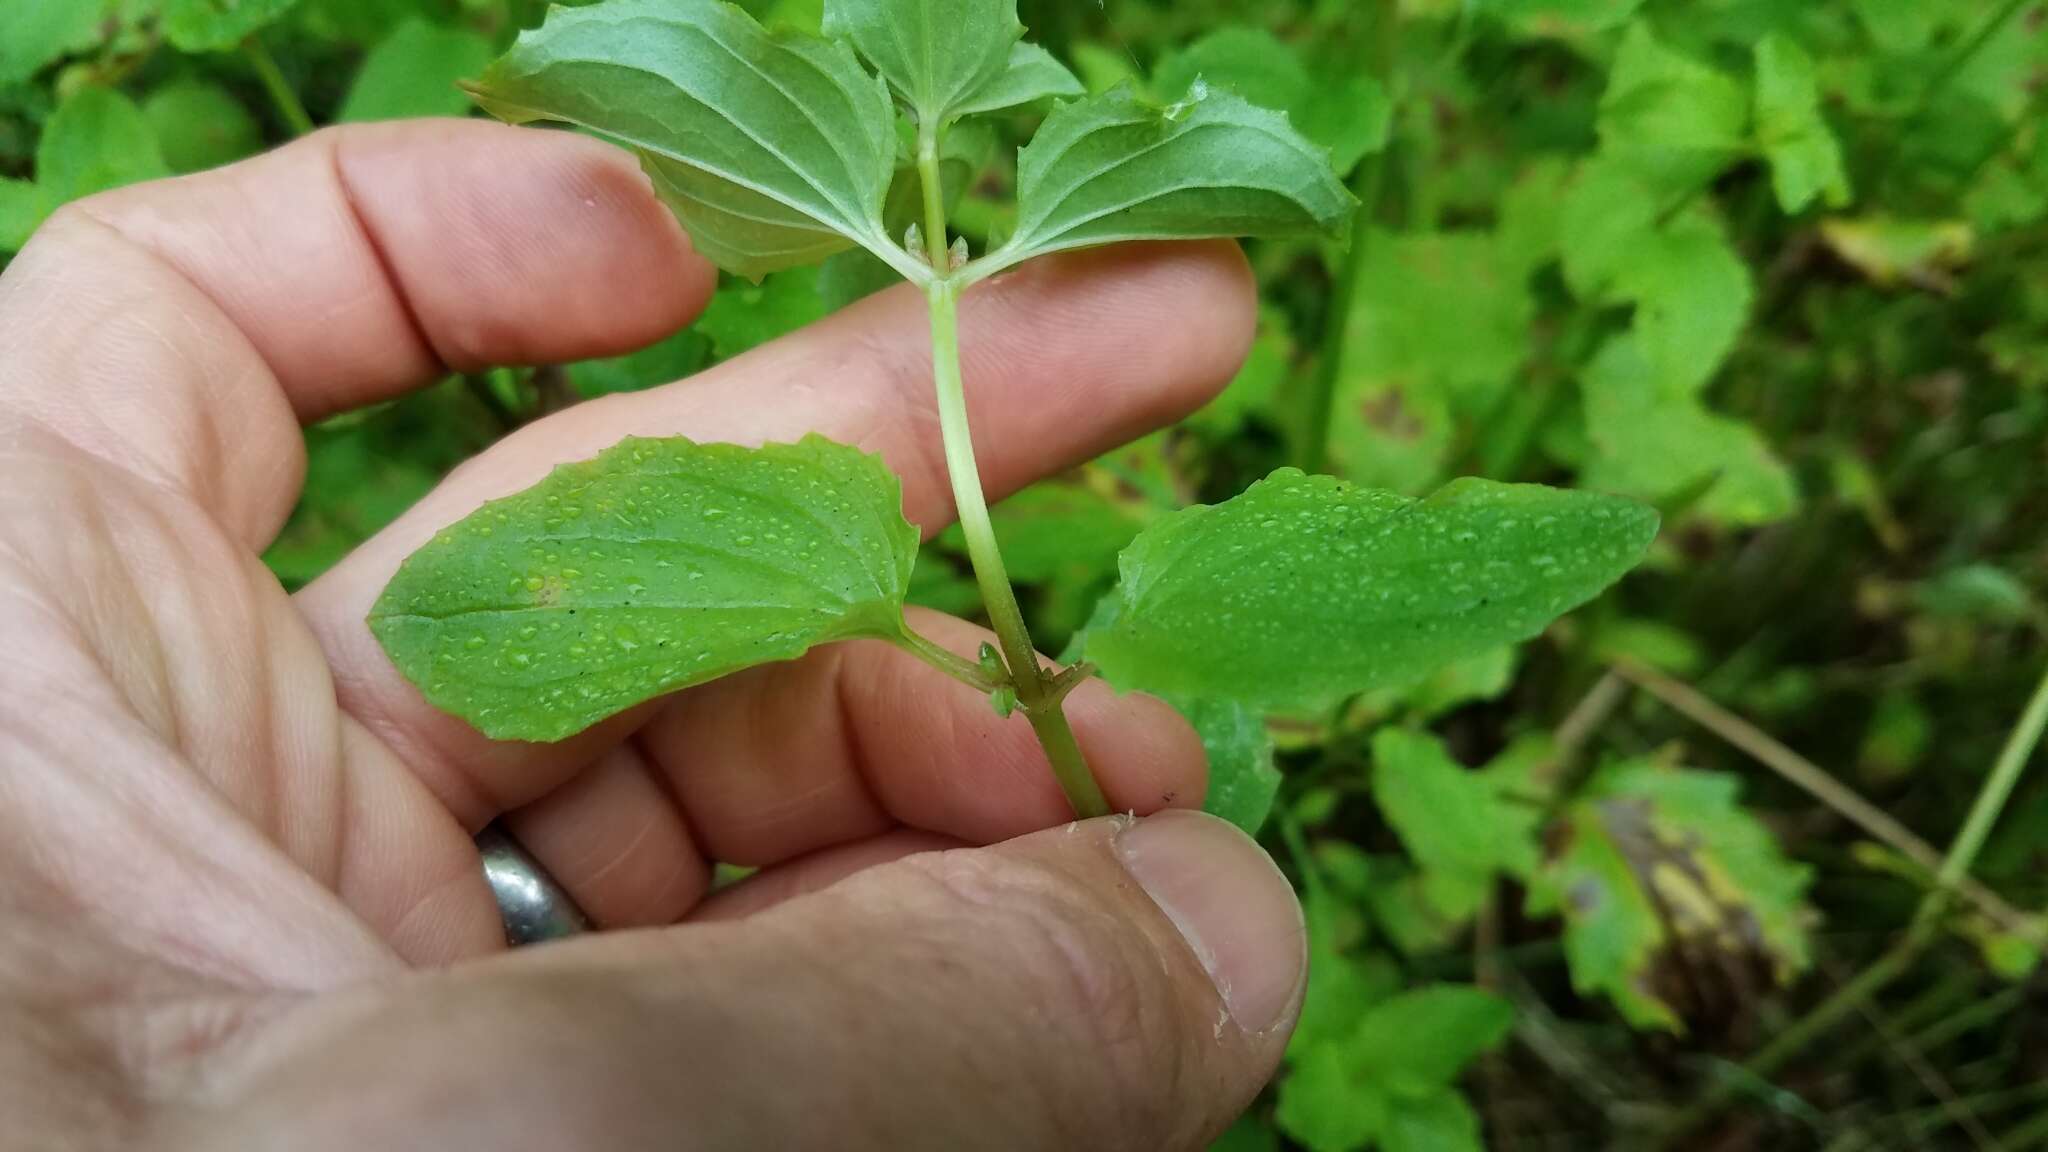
[[1991, 799], [958, 667], [1967, 52], [2005, 774], [1035, 690], [282, 97], [1312, 452], [1816, 782]]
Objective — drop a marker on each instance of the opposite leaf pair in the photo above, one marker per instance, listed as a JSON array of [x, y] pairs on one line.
[[664, 564]]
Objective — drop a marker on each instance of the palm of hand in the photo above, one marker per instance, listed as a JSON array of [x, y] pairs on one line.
[[235, 854]]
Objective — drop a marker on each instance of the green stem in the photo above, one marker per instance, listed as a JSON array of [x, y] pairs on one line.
[[1036, 693], [1991, 800], [958, 667], [281, 95], [1312, 453], [1968, 51]]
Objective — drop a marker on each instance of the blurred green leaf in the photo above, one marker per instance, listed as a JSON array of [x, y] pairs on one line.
[[1806, 160], [200, 125], [23, 206], [742, 316], [1388, 1081], [1440, 328], [672, 359], [1893, 252], [1249, 1134], [1654, 442], [1453, 821], [1901, 27], [40, 32], [1671, 119], [1692, 295], [414, 72], [1438, 1121], [1052, 528], [1563, 18], [1896, 739], [1347, 112], [218, 25], [96, 141], [1606, 214]]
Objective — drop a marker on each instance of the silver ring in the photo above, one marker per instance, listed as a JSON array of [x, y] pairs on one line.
[[533, 906]]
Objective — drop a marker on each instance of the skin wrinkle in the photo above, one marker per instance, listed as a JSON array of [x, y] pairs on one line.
[[256, 523], [422, 336], [612, 1020]]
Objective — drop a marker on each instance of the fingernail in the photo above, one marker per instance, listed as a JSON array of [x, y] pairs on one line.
[[1236, 911]]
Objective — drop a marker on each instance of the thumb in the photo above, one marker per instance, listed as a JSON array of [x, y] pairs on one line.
[[1115, 984], [1112, 984]]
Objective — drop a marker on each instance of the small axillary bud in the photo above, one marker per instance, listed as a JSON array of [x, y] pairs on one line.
[[956, 256], [913, 242]]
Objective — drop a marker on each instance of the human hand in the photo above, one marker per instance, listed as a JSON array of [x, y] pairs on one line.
[[241, 902]]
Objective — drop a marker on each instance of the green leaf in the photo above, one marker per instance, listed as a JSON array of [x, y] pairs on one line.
[[938, 55], [1249, 1134], [1251, 62], [414, 72], [1565, 19], [658, 565], [218, 25], [1439, 327], [1111, 168], [1242, 778], [1660, 869], [95, 141], [40, 32], [1692, 294], [1605, 215], [774, 150], [1901, 27], [1033, 74], [742, 317], [1892, 251], [1806, 160], [1438, 1121], [1305, 588], [1483, 677], [1388, 1079], [1675, 121], [682, 354], [1257, 384], [1323, 1107], [1341, 987], [200, 125], [1456, 823], [1057, 527], [1657, 442], [1423, 1039], [1345, 111], [23, 207]]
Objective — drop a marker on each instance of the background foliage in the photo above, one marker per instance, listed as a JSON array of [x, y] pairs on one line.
[[1779, 268]]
